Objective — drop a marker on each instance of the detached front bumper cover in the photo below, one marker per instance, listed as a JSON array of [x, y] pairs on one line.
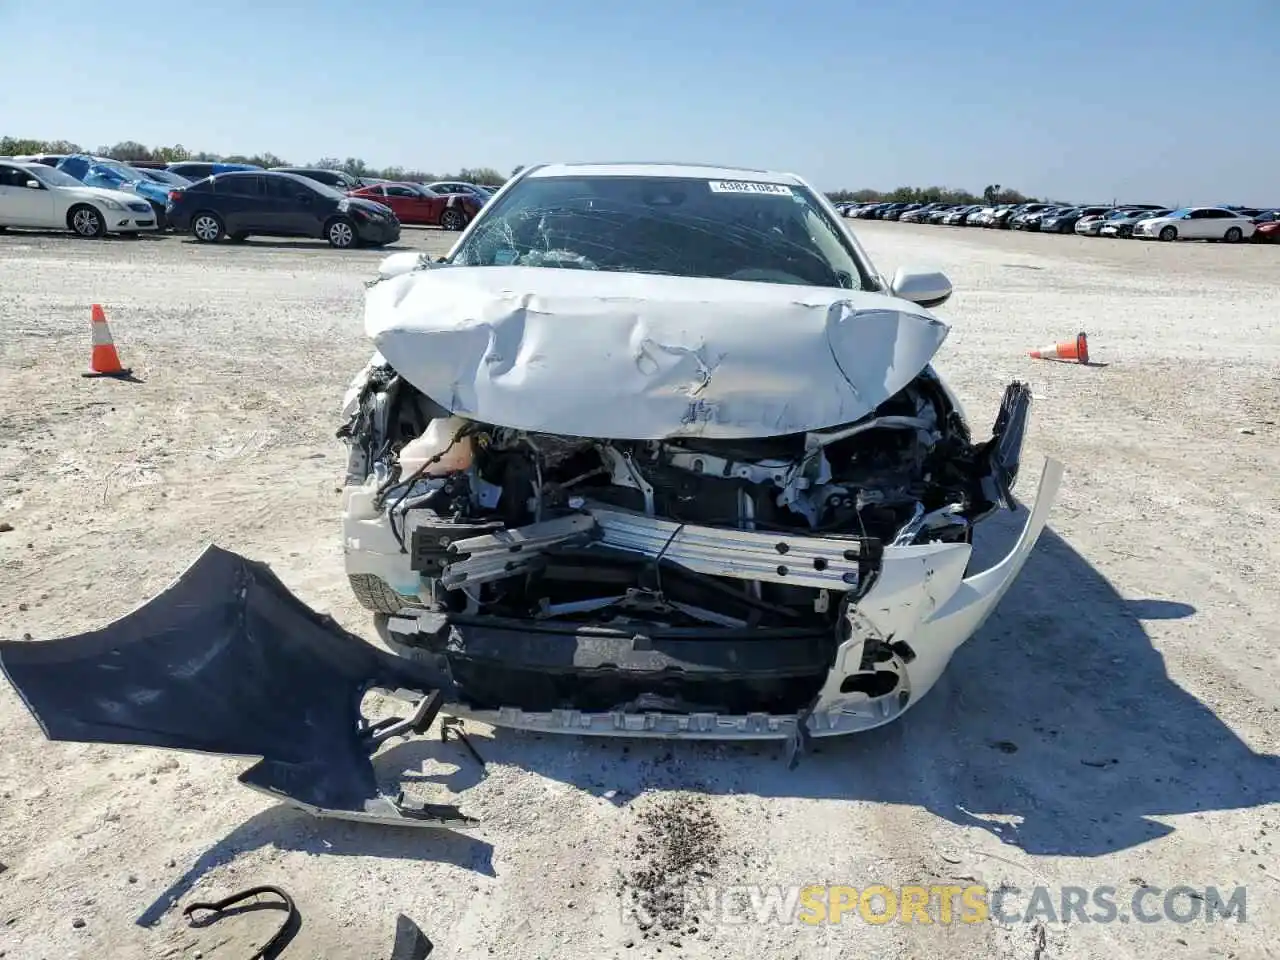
[[227, 661]]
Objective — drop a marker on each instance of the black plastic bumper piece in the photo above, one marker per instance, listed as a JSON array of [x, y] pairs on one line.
[[228, 661]]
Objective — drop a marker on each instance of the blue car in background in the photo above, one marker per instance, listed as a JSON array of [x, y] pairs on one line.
[[171, 180], [114, 175]]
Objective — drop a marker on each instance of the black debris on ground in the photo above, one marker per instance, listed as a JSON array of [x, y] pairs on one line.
[[677, 848]]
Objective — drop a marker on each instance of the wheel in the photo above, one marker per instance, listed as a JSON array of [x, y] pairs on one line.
[[341, 233], [86, 221], [453, 219], [1233, 235], [1169, 234], [207, 227], [376, 594]]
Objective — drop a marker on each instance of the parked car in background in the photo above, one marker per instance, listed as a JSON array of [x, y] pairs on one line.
[[980, 217], [1018, 220], [1267, 227], [1197, 223], [999, 216], [271, 203], [957, 216], [38, 196], [1065, 221], [1091, 223], [1030, 221], [896, 211], [937, 213], [166, 177], [1122, 226], [113, 175], [420, 206], [446, 187], [339, 180], [918, 213], [199, 169]]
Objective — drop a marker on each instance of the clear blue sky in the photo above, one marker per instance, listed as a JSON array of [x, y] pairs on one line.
[[1160, 101]]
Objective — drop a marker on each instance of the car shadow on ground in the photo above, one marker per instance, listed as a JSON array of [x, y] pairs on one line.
[[302, 245], [21, 233], [1056, 728]]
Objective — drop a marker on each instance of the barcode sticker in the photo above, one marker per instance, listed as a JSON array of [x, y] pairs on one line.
[[750, 186]]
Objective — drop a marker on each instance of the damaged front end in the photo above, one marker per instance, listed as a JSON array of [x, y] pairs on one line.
[[228, 661], [810, 583]]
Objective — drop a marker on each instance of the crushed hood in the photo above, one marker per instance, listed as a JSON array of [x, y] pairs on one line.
[[640, 357]]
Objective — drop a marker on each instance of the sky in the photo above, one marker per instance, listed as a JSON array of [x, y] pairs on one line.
[[1155, 101]]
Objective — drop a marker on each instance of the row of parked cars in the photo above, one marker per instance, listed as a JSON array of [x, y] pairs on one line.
[[1144, 221], [93, 196]]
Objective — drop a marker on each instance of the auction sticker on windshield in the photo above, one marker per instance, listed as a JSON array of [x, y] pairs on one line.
[[747, 186]]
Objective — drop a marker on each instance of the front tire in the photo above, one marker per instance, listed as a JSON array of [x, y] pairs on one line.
[[341, 233], [86, 221], [374, 593], [452, 219], [208, 227], [1169, 234], [1233, 235]]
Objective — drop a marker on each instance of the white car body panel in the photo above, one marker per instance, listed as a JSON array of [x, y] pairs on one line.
[[596, 354], [47, 207]]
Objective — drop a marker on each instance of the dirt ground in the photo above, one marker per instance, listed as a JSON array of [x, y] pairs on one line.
[[1114, 723]]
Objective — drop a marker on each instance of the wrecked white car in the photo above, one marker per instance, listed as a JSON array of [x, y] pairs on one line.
[[655, 451]]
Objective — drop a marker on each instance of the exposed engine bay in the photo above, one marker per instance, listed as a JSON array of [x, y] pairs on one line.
[[684, 533]]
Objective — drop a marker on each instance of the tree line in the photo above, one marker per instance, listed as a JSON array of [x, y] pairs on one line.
[[993, 193], [130, 150]]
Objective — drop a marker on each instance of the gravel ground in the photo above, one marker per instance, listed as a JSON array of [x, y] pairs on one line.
[[1113, 724]]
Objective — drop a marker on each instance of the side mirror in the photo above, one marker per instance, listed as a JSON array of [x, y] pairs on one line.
[[929, 288], [33, 184]]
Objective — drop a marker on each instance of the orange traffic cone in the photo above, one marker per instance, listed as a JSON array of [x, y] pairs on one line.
[[104, 362], [1076, 349]]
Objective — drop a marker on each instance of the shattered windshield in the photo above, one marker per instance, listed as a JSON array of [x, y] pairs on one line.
[[678, 226]]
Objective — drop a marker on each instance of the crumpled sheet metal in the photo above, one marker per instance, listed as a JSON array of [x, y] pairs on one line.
[[225, 661], [628, 356]]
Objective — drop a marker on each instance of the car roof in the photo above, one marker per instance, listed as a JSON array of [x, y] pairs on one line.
[[688, 171]]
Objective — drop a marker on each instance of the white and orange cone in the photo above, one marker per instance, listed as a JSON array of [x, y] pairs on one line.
[[1075, 349], [104, 361]]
